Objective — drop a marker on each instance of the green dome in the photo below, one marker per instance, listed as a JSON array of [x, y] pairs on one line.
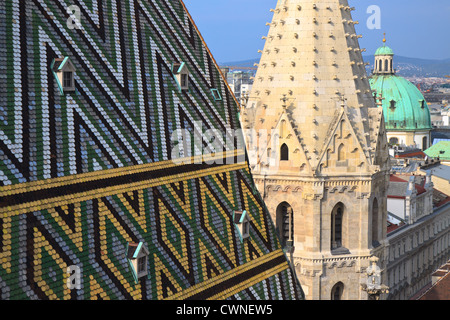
[[404, 106], [384, 51]]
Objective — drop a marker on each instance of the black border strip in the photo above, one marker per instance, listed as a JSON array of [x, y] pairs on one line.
[[228, 284], [87, 186]]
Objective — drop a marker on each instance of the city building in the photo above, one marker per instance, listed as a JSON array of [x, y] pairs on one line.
[[440, 286], [406, 112], [110, 187], [240, 83], [410, 197], [318, 151], [418, 232]]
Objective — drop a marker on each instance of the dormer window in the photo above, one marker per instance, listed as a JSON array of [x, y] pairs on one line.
[[181, 75], [216, 94], [67, 79], [392, 104], [64, 72], [242, 222], [422, 103], [137, 256]]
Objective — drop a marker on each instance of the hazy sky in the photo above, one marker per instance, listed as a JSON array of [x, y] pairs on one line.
[[418, 29]]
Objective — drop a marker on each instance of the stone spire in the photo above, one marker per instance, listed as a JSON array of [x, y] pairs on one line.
[[311, 74], [317, 146]]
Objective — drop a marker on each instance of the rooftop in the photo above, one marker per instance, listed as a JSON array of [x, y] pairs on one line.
[[398, 186], [439, 150], [440, 170], [440, 288]]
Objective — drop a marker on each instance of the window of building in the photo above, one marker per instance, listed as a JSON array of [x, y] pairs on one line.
[[393, 141], [337, 236], [216, 94], [422, 103], [184, 80], [285, 224], [424, 143], [341, 152], [142, 264], [64, 72], [242, 222], [375, 229], [137, 256], [336, 226], [284, 152], [181, 75], [67, 79], [337, 291], [392, 106]]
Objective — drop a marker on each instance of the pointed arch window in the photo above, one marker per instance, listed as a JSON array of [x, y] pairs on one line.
[[283, 128], [375, 228], [338, 232], [285, 224], [336, 226], [284, 152], [341, 152], [337, 291]]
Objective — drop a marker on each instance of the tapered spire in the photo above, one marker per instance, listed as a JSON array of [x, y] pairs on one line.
[[313, 62]]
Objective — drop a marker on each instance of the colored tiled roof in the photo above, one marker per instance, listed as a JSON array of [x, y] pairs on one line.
[[84, 174]]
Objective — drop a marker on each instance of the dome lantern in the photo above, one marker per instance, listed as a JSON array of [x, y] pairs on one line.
[[384, 59]]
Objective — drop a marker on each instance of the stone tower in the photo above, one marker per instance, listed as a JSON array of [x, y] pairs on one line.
[[317, 147]]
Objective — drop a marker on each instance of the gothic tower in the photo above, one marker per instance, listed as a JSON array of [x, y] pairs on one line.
[[317, 147]]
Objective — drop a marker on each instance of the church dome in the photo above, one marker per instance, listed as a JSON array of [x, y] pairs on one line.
[[404, 106]]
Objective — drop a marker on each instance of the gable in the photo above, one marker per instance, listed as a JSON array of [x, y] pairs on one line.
[[343, 151], [283, 134]]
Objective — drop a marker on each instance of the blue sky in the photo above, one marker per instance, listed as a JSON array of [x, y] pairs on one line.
[[415, 28]]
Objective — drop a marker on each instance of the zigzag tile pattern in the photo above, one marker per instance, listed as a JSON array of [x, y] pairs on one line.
[[83, 174]]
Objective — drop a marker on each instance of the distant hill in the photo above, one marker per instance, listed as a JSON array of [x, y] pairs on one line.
[[407, 67], [414, 67]]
